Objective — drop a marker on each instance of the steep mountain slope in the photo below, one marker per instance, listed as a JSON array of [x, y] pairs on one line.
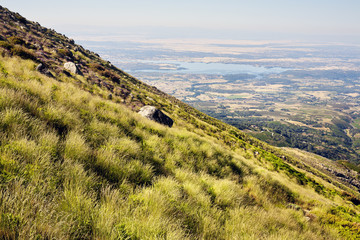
[[341, 171], [78, 162]]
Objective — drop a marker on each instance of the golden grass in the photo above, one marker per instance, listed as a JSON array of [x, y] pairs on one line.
[[77, 166]]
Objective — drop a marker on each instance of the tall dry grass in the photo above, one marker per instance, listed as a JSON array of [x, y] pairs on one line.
[[74, 165]]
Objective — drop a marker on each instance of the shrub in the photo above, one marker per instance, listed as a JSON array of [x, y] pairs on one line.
[[109, 74], [6, 45], [104, 72], [65, 53], [23, 53], [96, 67], [16, 40]]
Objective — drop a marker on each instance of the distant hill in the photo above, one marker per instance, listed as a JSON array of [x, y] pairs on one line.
[[78, 162]]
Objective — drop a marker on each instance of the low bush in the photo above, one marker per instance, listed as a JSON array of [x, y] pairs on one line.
[[16, 40], [64, 53], [23, 53], [6, 45]]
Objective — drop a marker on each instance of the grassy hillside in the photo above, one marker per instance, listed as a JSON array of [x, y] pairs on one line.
[[77, 162]]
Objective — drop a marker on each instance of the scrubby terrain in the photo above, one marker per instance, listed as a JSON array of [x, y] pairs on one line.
[[78, 162]]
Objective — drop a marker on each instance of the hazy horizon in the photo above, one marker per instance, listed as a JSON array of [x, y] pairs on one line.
[[328, 21]]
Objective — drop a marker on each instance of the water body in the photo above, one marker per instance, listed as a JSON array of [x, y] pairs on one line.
[[206, 68]]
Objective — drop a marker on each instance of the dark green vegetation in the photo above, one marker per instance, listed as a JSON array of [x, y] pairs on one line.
[[334, 144], [76, 162]]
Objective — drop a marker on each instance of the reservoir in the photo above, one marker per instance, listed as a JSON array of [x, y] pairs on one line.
[[196, 68]]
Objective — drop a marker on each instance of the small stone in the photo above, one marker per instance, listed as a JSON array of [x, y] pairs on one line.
[[40, 67], [70, 66], [156, 115]]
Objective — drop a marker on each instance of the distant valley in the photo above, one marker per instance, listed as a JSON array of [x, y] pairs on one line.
[[289, 94]]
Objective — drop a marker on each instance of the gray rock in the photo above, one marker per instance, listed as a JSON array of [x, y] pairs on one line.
[[310, 216], [70, 66], [40, 67], [44, 70], [156, 115]]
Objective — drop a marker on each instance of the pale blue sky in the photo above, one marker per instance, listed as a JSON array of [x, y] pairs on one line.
[[282, 17]]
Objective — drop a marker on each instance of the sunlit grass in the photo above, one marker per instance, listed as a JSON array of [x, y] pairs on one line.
[[74, 165]]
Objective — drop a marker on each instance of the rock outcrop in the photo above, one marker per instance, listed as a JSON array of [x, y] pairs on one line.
[[70, 66], [156, 115], [345, 175]]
